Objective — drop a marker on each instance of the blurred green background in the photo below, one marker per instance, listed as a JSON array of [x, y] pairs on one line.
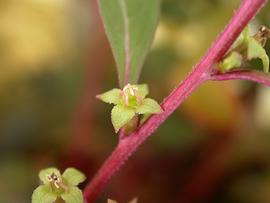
[[54, 59]]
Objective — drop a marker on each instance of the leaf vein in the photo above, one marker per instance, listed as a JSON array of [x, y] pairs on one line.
[[127, 40]]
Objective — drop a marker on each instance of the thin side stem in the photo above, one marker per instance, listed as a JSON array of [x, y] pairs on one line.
[[255, 76], [200, 73]]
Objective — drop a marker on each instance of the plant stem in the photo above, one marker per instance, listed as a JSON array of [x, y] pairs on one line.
[[255, 76], [200, 73]]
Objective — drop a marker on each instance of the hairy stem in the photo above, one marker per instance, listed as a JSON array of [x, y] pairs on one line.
[[200, 73]]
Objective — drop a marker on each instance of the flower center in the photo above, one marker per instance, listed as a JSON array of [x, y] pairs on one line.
[[56, 181], [130, 91]]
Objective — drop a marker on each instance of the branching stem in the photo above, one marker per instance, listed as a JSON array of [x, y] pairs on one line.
[[201, 72], [255, 76]]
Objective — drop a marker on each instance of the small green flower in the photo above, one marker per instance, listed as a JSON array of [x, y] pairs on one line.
[[129, 102], [247, 48], [54, 185]]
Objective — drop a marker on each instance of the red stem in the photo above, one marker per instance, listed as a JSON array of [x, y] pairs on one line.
[[200, 73], [255, 76]]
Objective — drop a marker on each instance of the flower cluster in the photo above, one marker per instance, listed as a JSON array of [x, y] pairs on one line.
[[247, 48]]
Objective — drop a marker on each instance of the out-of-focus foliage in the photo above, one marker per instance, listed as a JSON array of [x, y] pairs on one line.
[[36, 35], [217, 142]]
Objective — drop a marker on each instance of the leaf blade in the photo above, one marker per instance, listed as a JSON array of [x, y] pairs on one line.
[[256, 50], [73, 176], [130, 33], [74, 195], [233, 60], [120, 116], [43, 194], [111, 96], [149, 106], [143, 90]]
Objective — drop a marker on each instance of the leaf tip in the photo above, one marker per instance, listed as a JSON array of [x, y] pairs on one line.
[[116, 130], [98, 96]]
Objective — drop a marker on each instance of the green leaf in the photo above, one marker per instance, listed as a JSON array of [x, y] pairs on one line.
[[43, 174], [233, 60], [73, 176], [148, 106], [120, 116], [111, 96], [265, 61], [245, 34], [130, 26], [74, 195], [143, 90], [256, 50], [43, 194], [242, 39]]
